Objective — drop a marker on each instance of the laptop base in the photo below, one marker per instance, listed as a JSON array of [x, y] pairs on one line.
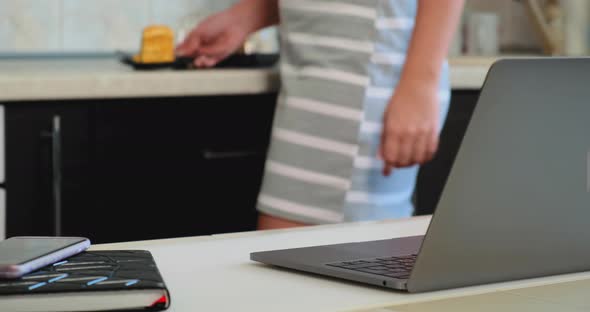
[[321, 259]]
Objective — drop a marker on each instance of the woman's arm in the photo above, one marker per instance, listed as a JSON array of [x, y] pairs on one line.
[[258, 14], [436, 23], [223, 33], [411, 122]]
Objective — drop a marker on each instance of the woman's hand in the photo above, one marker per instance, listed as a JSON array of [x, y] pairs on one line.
[[410, 127], [411, 122], [215, 38]]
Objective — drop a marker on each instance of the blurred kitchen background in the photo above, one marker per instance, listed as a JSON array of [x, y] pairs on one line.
[[92, 147], [488, 28], [98, 26]]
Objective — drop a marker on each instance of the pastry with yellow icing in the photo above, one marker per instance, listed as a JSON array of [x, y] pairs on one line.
[[157, 45]]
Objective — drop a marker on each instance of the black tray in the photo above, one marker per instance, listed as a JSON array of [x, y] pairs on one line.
[[233, 61], [179, 63]]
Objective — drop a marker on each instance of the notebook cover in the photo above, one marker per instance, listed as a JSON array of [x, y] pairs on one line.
[[93, 271]]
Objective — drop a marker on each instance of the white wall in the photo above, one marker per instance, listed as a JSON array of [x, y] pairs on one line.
[[92, 25], [110, 25]]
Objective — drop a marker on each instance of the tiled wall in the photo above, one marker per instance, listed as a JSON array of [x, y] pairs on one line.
[[92, 25], [109, 25]]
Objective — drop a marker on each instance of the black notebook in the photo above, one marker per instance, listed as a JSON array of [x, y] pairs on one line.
[[118, 280]]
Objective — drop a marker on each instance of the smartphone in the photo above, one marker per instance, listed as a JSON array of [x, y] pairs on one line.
[[20, 255]]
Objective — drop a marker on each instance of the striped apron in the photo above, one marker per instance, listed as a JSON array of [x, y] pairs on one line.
[[340, 63]]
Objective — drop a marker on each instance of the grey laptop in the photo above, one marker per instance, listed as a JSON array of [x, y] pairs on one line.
[[516, 204]]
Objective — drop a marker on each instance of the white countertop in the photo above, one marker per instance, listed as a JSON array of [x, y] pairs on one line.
[[469, 72], [214, 273], [83, 78], [108, 78]]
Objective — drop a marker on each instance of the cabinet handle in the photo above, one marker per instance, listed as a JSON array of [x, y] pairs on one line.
[[56, 150], [213, 155], [54, 137]]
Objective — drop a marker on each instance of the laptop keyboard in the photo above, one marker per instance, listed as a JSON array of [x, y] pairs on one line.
[[396, 267]]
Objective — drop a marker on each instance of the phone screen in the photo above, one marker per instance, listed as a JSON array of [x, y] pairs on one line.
[[21, 250]]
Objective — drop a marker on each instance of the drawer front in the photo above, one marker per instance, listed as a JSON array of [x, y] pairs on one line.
[[237, 122], [165, 161], [136, 135]]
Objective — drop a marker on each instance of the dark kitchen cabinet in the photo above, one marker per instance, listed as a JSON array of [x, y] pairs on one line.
[[180, 167], [135, 169], [48, 167], [433, 176]]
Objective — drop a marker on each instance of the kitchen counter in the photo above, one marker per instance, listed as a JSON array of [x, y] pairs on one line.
[[101, 77], [469, 72], [106, 77]]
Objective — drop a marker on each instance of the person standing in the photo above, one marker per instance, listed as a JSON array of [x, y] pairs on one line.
[[364, 94]]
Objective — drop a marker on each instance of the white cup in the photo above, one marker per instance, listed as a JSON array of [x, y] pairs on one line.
[[576, 14], [482, 34]]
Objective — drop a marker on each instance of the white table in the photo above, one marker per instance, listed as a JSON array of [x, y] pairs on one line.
[[214, 273]]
